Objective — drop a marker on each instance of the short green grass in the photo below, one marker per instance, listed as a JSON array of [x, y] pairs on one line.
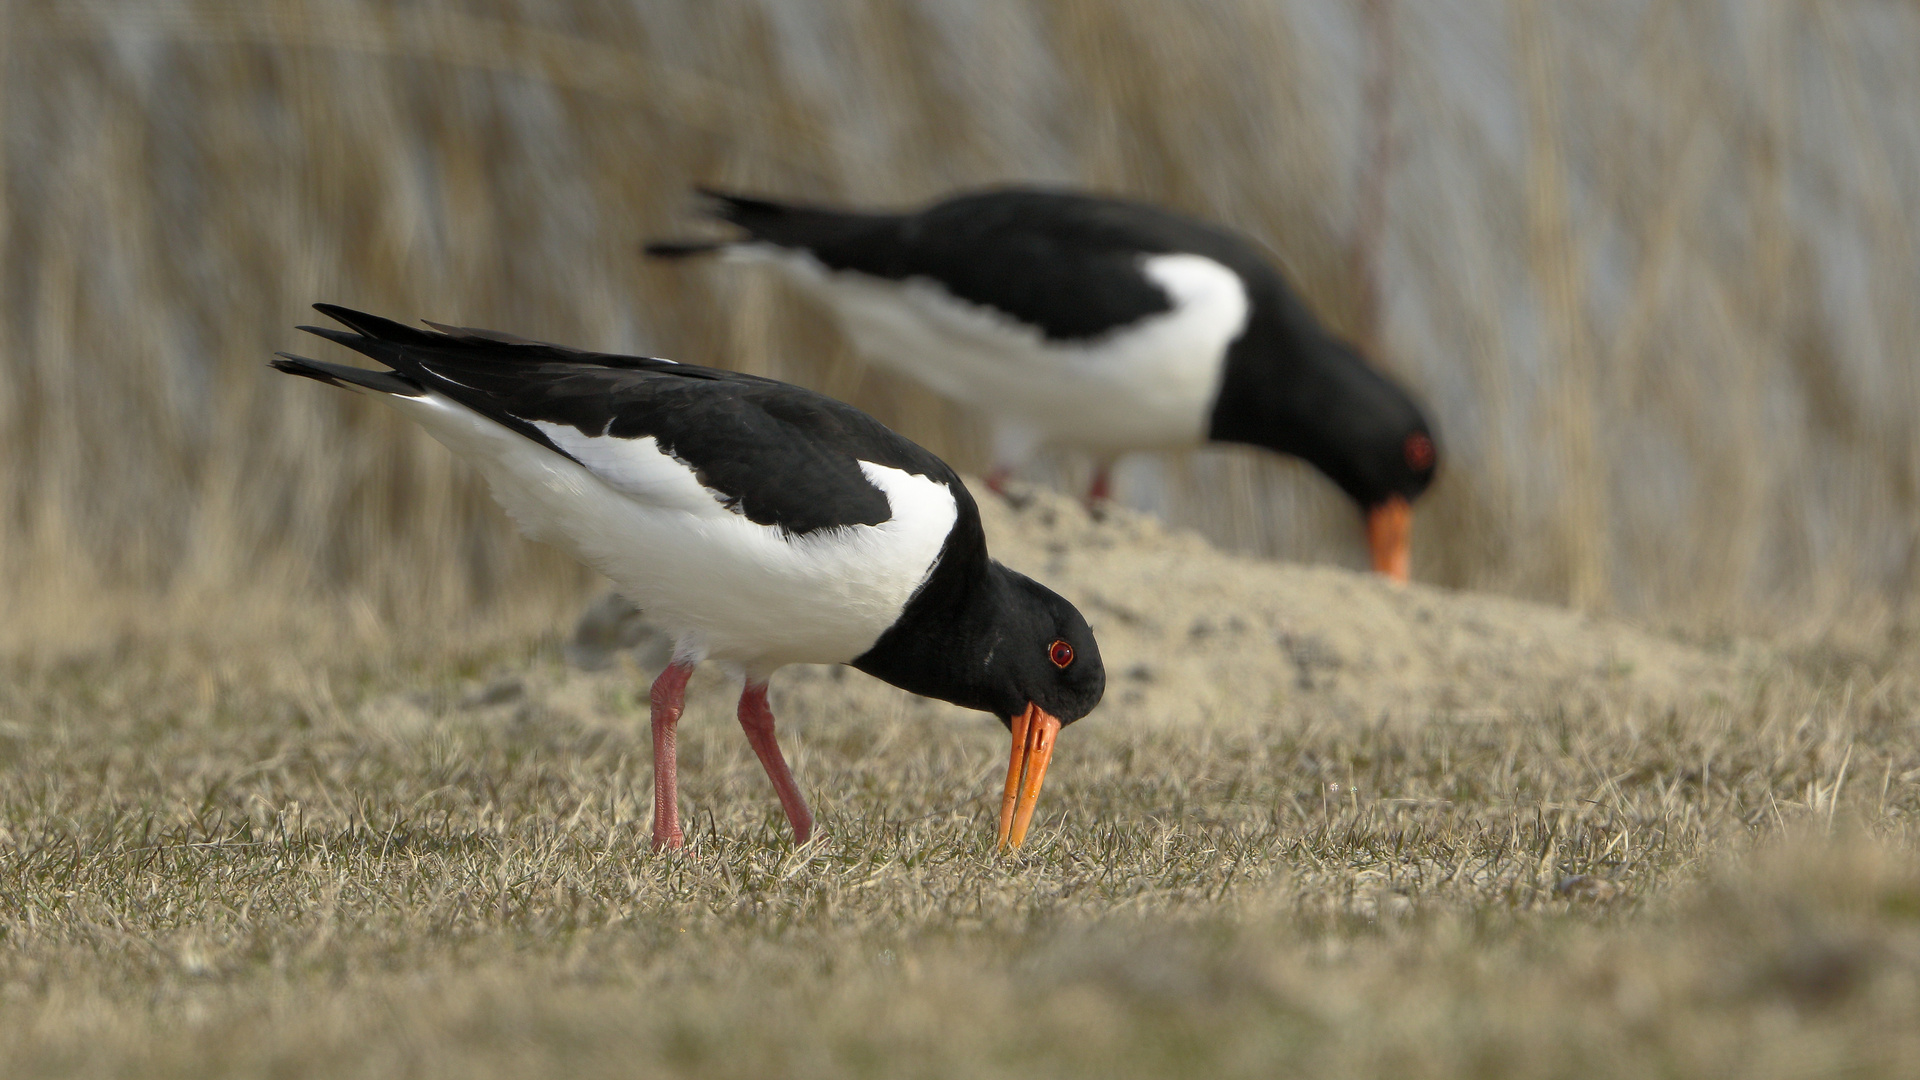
[[222, 862]]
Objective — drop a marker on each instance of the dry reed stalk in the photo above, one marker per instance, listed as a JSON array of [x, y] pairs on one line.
[[1371, 214], [1718, 258], [1555, 258], [1895, 279]]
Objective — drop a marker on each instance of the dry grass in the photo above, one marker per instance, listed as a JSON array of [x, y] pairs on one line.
[[232, 861]]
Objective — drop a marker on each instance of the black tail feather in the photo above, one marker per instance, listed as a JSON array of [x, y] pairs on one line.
[[418, 356], [680, 249], [741, 210], [338, 337], [799, 226], [764, 219], [474, 333], [347, 378], [731, 203], [372, 326]]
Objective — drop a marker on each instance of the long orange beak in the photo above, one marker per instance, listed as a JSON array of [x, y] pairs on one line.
[[1033, 733], [1390, 535]]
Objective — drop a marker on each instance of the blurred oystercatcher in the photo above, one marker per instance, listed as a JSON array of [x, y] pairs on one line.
[[760, 523], [1103, 324]]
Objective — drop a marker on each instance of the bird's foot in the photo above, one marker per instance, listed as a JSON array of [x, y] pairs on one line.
[[1100, 493]]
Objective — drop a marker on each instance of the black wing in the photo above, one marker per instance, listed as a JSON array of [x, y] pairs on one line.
[[1065, 263], [776, 453]]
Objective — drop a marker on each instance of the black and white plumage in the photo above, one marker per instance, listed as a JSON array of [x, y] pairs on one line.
[[760, 523], [1102, 324]]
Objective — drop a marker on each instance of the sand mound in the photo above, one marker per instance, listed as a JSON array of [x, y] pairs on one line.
[[1192, 634]]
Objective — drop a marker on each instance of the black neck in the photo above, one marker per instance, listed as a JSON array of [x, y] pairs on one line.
[[1290, 387], [1277, 387], [948, 623]]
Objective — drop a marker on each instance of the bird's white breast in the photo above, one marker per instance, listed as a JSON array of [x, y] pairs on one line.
[[1150, 384], [726, 587]]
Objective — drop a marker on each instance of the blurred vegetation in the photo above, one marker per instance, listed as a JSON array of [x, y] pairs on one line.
[[1653, 265]]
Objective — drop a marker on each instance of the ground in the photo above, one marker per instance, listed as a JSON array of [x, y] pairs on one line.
[[1322, 827]]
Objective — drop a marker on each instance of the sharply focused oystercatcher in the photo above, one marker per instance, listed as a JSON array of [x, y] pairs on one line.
[[1102, 324], [761, 524]]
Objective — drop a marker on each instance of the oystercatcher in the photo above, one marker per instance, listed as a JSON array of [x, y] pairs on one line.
[[760, 523], [1102, 324]]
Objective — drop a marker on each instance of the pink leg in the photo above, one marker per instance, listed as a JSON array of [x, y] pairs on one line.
[[669, 696], [1102, 488], [756, 717]]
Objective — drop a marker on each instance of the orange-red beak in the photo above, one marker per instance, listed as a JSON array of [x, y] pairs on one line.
[[1390, 535], [1033, 733]]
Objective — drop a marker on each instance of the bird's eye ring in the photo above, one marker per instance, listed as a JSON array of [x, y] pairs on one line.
[[1060, 653], [1420, 452]]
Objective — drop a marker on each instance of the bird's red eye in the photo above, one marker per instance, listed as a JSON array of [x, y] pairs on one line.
[[1419, 450], [1060, 653]]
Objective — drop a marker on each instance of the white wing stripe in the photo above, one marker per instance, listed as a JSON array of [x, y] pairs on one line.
[[636, 467]]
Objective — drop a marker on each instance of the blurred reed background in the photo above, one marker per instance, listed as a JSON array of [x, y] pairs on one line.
[[1652, 264]]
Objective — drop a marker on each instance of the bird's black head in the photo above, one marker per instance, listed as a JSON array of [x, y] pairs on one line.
[[1044, 670], [1377, 444], [1312, 395], [1043, 654], [992, 639], [1320, 401], [989, 638]]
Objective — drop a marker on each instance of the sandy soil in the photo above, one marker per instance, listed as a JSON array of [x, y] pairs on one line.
[[1195, 635]]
